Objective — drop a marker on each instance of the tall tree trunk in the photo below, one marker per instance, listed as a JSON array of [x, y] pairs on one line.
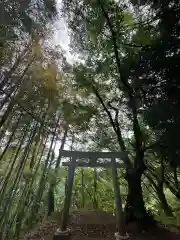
[[51, 206], [14, 89], [11, 138], [14, 66], [135, 205], [50, 201], [47, 165], [29, 195], [135, 209], [19, 215], [132, 172], [13, 189], [14, 161]]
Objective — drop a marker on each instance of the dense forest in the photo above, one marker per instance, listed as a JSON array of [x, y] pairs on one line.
[[118, 92]]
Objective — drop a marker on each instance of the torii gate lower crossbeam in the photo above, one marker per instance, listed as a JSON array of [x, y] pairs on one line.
[[90, 159]]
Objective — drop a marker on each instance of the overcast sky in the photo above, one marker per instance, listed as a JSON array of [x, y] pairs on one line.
[[61, 35]]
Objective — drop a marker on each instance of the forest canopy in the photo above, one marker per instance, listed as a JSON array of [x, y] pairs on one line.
[[120, 92]]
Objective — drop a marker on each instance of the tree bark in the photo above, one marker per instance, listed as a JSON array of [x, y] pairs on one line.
[[135, 209], [47, 164], [51, 202]]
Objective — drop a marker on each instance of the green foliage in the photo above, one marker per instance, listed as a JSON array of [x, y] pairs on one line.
[[104, 191], [115, 97], [173, 221], [20, 14], [161, 94]]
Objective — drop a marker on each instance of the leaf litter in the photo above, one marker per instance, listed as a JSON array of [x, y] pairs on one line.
[[99, 225]]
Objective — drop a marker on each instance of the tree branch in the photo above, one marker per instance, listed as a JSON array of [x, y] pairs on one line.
[[104, 107], [118, 130], [130, 91], [115, 125], [113, 34]]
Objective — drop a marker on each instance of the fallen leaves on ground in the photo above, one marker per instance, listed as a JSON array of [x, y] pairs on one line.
[[94, 224]]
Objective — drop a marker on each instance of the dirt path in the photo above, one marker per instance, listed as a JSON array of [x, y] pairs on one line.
[[99, 226]]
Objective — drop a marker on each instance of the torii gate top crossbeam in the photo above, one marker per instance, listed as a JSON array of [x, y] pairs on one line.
[[92, 158], [79, 154]]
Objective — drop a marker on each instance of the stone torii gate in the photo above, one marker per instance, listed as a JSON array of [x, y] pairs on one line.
[[91, 159]]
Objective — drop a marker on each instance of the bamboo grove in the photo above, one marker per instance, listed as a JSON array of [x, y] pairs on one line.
[[106, 100]]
